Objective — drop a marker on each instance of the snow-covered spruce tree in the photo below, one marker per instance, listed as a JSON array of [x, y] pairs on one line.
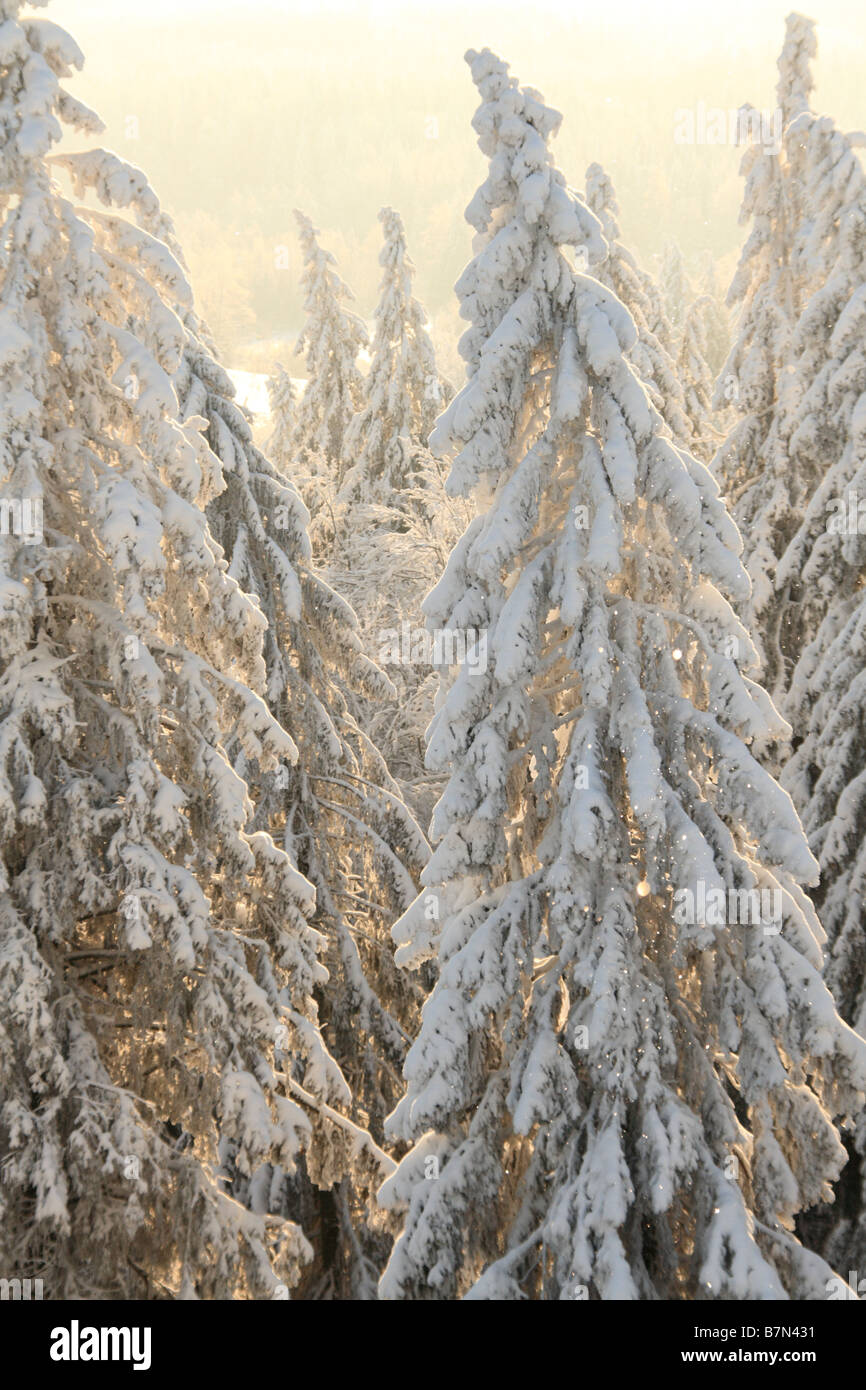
[[332, 337], [387, 558], [337, 810], [764, 489], [824, 569], [825, 446], [158, 960], [283, 403], [340, 813], [716, 321], [403, 392], [611, 1094], [392, 526], [621, 273], [827, 364], [697, 380], [796, 83], [826, 778], [756, 384], [676, 290]]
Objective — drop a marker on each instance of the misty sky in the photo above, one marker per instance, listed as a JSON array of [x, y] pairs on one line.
[[239, 113]]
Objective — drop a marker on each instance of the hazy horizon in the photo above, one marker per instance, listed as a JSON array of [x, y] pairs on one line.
[[354, 107]]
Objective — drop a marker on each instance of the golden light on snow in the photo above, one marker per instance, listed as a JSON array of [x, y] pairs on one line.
[[643, 889]]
